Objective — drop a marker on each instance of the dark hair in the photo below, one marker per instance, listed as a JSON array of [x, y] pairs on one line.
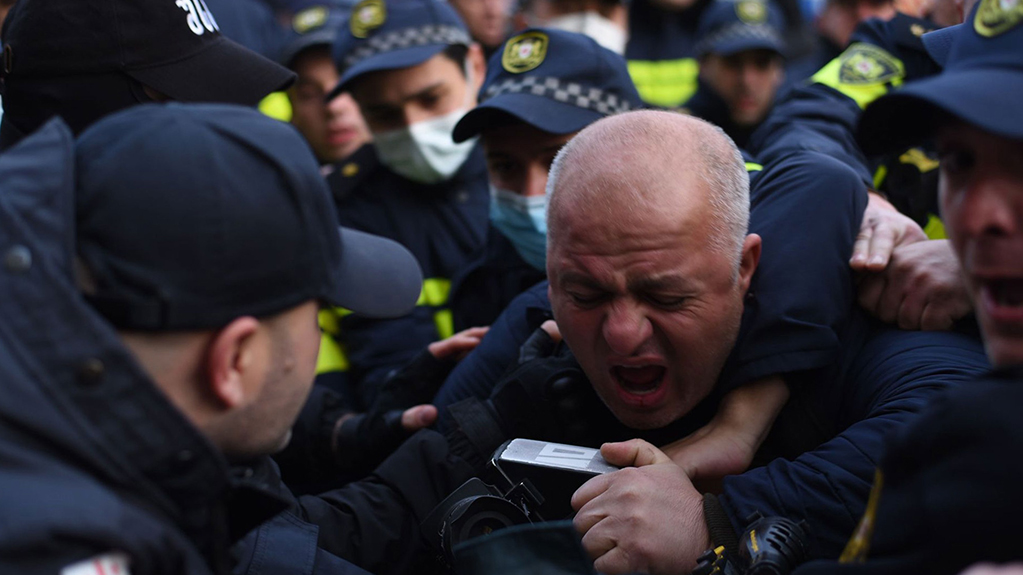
[[457, 54]]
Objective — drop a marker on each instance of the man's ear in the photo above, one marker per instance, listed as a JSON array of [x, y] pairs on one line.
[[478, 64], [230, 358], [750, 259]]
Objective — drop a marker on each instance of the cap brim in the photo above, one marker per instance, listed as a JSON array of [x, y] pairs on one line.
[[323, 37], [538, 111], [985, 98], [729, 47], [392, 60], [223, 72], [378, 277], [938, 43]]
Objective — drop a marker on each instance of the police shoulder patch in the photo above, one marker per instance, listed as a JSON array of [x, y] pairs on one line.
[[524, 52], [367, 16], [865, 63], [995, 17], [751, 11]]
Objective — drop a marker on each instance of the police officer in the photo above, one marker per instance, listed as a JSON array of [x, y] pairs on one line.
[[334, 128], [742, 58], [82, 62], [413, 69], [541, 88], [946, 493], [197, 346]]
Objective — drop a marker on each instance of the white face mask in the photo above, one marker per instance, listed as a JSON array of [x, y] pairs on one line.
[[424, 152], [604, 31]]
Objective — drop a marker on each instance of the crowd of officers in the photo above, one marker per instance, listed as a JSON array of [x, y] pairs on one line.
[[279, 277]]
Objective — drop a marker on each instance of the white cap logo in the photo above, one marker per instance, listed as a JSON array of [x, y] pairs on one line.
[[200, 19]]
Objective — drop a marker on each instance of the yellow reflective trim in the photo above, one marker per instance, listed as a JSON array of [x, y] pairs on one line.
[[917, 157], [435, 292], [667, 83], [879, 176], [751, 167], [859, 544], [445, 322], [935, 228], [861, 93], [332, 356], [277, 106]]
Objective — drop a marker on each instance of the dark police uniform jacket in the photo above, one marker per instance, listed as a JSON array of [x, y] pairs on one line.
[[443, 225], [492, 279], [822, 113], [95, 462], [946, 495]]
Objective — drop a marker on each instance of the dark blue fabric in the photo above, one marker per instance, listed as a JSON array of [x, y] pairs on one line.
[[251, 23], [832, 434], [818, 118], [656, 34], [950, 495], [494, 277], [442, 225]]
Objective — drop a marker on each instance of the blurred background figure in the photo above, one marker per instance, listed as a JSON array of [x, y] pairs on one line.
[[742, 59], [334, 128], [489, 21], [606, 21]]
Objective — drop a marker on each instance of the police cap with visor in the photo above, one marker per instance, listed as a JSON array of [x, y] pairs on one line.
[[192, 215], [981, 83], [731, 26], [555, 81], [392, 35]]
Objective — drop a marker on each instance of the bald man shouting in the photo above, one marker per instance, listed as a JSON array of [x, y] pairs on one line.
[[654, 281]]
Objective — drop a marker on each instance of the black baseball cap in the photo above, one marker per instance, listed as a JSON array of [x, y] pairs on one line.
[[980, 84], [173, 46], [191, 215], [556, 81]]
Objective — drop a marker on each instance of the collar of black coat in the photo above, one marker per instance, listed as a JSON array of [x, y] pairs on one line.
[[69, 384]]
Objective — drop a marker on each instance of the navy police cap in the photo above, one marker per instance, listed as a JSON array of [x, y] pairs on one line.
[[189, 216], [981, 84], [731, 26], [315, 26], [556, 81], [393, 34]]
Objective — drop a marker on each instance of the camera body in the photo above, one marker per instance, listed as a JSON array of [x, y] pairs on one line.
[[533, 482]]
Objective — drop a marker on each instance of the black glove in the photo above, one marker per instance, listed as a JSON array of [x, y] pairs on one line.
[[364, 440], [545, 395]]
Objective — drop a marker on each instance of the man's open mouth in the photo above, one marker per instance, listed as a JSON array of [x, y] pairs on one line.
[[1005, 292], [639, 380]]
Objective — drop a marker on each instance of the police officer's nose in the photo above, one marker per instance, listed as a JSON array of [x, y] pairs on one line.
[[985, 207], [626, 327]]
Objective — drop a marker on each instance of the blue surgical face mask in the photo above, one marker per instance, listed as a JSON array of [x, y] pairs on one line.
[[523, 220]]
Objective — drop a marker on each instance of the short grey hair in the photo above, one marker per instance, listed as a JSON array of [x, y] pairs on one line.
[[723, 168]]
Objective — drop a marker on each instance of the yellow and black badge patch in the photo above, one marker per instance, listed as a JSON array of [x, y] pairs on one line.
[[524, 52], [367, 16], [309, 19], [997, 16], [751, 11], [867, 64]]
